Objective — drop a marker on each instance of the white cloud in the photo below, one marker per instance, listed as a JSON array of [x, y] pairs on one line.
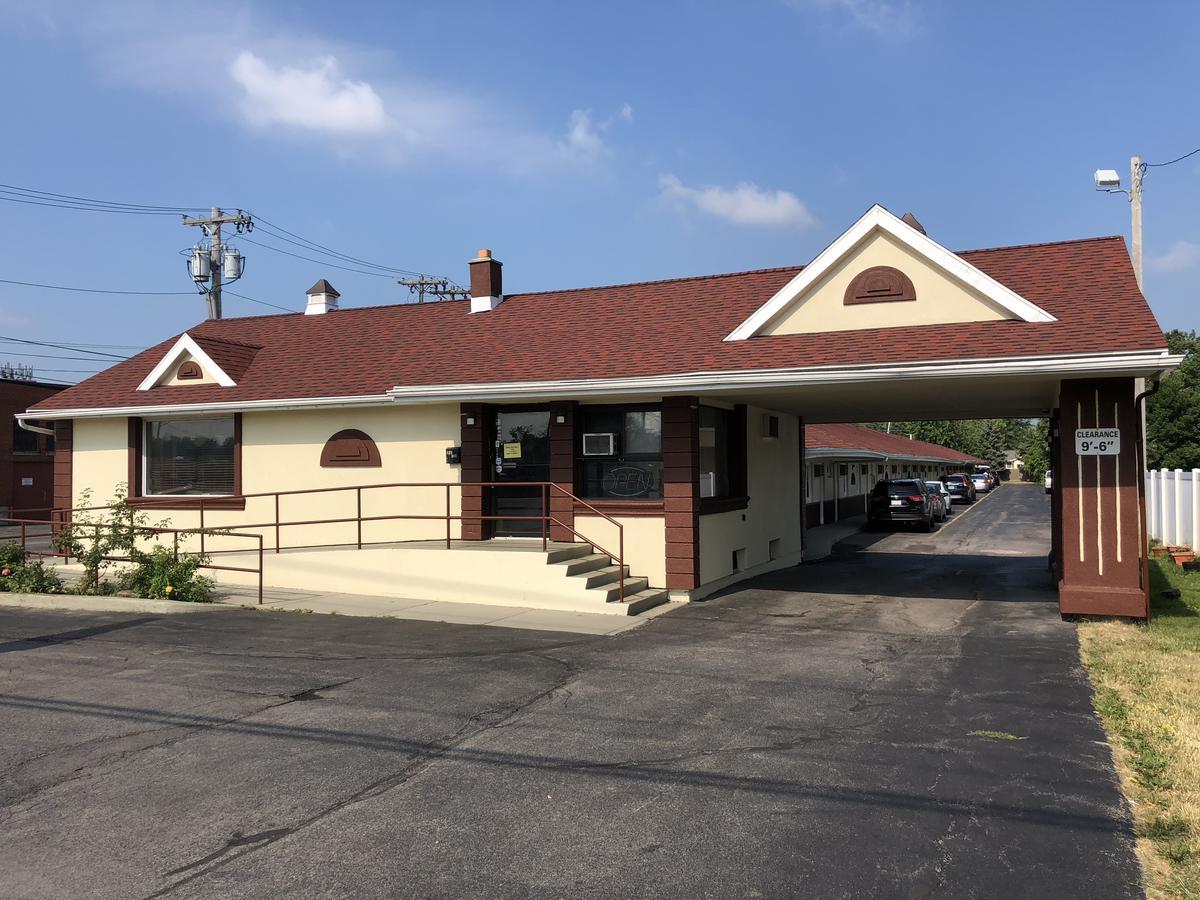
[[1182, 255], [743, 204], [319, 98], [584, 141], [359, 101], [886, 18]]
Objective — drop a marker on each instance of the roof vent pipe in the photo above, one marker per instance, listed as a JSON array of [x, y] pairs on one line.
[[322, 298], [487, 289]]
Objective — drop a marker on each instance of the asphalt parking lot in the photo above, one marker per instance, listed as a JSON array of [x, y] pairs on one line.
[[909, 718]]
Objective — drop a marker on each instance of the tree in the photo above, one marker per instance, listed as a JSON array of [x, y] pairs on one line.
[[1173, 412]]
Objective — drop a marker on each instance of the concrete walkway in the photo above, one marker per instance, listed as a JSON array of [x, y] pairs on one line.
[[822, 538], [282, 600]]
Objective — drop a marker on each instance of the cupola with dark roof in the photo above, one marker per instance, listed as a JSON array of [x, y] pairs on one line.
[[322, 298]]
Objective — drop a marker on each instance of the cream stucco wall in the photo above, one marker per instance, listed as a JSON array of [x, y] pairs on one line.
[[99, 459], [940, 299], [281, 451], [645, 543], [773, 483]]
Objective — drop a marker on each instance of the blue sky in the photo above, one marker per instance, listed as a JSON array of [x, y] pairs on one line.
[[585, 143]]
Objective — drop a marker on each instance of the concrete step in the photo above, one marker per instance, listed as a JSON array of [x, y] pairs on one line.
[[644, 600], [611, 592], [575, 551], [607, 575], [588, 563]]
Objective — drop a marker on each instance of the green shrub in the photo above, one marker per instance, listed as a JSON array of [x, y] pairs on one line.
[[159, 575], [20, 574]]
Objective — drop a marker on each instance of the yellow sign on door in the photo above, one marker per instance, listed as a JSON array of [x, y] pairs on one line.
[[512, 450]]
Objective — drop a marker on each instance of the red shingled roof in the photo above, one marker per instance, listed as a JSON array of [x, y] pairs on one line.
[[856, 437], [653, 328]]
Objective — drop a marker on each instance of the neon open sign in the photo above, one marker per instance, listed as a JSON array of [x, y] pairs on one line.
[[1097, 441]]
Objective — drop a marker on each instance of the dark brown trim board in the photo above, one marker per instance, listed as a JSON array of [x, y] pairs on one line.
[[681, 489], [477, 460], [629, 508], [562, 469], [64, 441]]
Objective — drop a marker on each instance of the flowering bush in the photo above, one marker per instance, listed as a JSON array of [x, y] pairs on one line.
[[19, 574]]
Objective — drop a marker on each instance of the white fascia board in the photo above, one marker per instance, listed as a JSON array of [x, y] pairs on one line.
[[199, 409], [879, 218], [186, 344], [1083, 365]]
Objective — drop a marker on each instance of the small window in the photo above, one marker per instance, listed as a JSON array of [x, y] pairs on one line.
[[818, 470], [189, 456], [24, 441], [350, 449], [770, 426]]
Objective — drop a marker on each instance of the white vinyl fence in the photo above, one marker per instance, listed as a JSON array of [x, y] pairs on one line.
[[1173, 506]]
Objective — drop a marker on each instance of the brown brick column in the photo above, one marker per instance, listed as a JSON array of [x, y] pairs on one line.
[[1100, 520], [64, 497], [1056, 529], [478, 460], [562, 468], [681, 490]]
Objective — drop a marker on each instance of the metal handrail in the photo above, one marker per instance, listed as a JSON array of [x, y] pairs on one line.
[[220, 503], [52, 526]]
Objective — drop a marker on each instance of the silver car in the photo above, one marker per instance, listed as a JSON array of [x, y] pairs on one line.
[[942, 500]]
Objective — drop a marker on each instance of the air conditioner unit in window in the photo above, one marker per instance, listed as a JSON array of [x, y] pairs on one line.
[[598, 444]]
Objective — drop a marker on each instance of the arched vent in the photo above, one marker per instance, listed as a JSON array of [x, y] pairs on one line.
[[879, 284], [348, 449], [190, 370]]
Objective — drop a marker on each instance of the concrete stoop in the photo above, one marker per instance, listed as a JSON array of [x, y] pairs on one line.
[[569, 577]]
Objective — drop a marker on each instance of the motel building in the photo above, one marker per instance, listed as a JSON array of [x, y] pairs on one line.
[[653, 432], [844, 462]]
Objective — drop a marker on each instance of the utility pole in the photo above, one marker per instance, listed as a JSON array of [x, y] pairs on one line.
[[1136, 171], [220, 263], [440, 288]]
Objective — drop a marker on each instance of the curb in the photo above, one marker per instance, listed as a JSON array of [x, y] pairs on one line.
[[77, 603]]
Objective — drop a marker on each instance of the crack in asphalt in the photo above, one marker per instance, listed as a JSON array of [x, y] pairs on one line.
[[479, 723], [196, 725]]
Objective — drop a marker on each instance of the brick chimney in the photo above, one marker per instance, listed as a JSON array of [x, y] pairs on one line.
[[322, 298], [487, 291]]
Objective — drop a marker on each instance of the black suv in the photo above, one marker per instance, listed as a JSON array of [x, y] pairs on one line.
[[961, 488], [906, 500]]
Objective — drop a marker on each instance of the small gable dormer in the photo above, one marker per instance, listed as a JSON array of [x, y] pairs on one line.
[[885, 272], [200, 360]]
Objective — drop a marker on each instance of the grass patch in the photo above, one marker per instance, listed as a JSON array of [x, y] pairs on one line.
[[1147, 693], [997, 735]]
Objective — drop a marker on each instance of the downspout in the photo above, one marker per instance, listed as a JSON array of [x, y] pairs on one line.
[[36, 429], [1139, 452]]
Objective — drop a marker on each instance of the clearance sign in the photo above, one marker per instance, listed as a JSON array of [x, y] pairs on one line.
[[1097, 441]]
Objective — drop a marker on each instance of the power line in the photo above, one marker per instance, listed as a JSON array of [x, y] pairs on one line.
[[50, 196], [80, 344], [79, 290], [319, 262], [46, 355], [261, 302], [1173, 161], [60, 346], [313, 245]]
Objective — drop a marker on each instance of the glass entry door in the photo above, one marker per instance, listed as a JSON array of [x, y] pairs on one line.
[[522, 447]]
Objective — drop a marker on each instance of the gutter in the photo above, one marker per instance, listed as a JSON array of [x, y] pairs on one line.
[[1145, 363]]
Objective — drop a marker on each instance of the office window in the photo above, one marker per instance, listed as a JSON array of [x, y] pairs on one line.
[[189, 456]]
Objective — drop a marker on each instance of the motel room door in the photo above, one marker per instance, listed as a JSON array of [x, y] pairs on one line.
[[522, 447]]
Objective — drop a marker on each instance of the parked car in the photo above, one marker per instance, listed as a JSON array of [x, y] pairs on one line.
[[942, 495], [901, 500], [1049, 481], [961, 488], [982, 485]]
